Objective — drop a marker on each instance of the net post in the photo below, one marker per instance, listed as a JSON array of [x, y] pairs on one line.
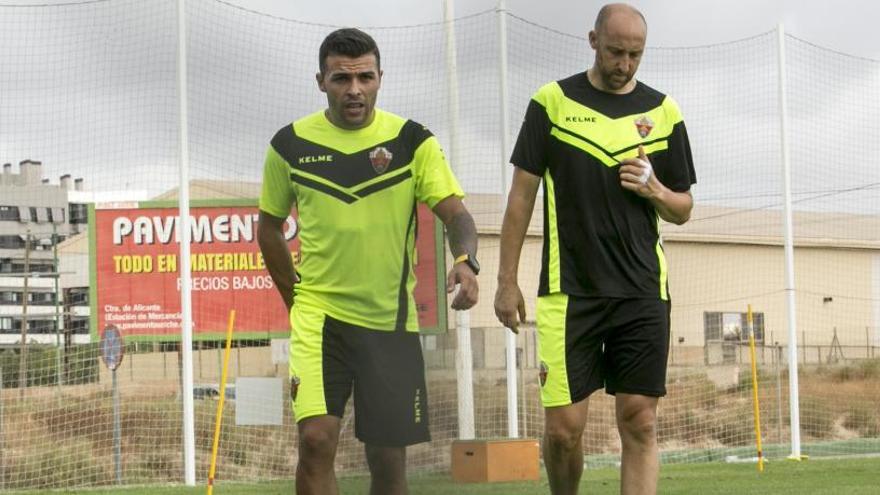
[[794, 410], [189, 450], [509, 336], [463, 352]]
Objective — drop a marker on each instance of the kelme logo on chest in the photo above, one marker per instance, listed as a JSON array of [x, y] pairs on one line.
[[580, 119], [315, 159], [380, 158]]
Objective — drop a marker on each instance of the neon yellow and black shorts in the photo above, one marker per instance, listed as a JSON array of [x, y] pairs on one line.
[[329, 358], [585, 344]]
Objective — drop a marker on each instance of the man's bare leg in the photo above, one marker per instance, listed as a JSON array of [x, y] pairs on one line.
[[387, 470], [639, 460], [563, 447], [318, 437]]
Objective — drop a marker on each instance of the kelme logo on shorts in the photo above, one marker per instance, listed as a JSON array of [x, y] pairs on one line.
[[644, 125], [380, 158], [542, 373], [294, 387], [417, 407]]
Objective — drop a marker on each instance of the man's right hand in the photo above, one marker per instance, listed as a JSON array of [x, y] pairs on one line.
[[276, 255], [508, 303]]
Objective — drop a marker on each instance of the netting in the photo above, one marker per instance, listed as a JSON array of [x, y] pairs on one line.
[[90, 89]]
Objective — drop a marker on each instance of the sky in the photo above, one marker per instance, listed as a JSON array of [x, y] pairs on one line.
[[91, 89], [843, 25]]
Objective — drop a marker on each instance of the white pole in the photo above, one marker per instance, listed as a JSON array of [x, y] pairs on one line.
[[464, 362], [59, 319], [189, 449], [794, 409], [509, 337]]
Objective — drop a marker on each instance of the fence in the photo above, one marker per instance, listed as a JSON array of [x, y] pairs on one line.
[[90, 89]]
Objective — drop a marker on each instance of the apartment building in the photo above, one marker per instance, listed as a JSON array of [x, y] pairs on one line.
[[35, 216]]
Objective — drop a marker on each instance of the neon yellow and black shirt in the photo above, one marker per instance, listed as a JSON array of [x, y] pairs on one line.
[[356, 193], [601, 240]]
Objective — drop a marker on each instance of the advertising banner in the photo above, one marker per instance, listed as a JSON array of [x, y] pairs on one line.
[[135, 272]]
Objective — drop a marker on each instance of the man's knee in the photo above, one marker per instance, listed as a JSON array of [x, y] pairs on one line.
[[385, 458], [638, 423], [561, 437], [564, 426], [317, 443]]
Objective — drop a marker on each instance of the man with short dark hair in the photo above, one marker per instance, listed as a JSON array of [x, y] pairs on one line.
[[356, 174], [614, 158]]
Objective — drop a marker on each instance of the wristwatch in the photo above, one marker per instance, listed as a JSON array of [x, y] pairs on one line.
[[471, 262]]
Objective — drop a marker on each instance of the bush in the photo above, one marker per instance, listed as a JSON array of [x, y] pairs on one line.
[[697, 390], [868, 369], [42, 366], [863, 419], [735, 425], [58, 466], [817, 417], [681, 423], [155, 467], [744, 381], [83, 365]]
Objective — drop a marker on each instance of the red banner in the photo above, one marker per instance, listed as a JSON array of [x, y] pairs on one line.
[[136, 284]]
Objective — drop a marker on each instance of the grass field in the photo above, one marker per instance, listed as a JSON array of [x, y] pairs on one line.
[[854, 476]]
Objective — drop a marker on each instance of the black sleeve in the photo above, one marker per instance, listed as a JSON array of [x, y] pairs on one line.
[[529, 153], [675, 165]]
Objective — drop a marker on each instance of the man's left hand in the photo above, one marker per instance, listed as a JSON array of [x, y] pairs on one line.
[[468, 290], [637, 175]]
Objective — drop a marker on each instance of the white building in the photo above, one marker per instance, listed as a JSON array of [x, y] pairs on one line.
[[34, 216]]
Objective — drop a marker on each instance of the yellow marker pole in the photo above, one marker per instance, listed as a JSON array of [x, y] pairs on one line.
[[219, 418], [755, 390]]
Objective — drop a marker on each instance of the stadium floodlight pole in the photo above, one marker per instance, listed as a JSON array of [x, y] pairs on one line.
[[186, 392], [509, 336], [794, 409], [463, 353]]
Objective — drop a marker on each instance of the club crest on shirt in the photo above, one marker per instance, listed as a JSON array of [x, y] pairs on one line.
[[542, 373], [644, 125], [380, 158]]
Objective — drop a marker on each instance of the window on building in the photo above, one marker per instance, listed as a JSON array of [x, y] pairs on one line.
[[9, 213], [79, 213], [10, 297], [40, 268], [41, 244], [33, 214], [41, 326], [77, 296], [6, 324], [722, 326], [56, 215], [11, 242], [79, 325], [41, 298]]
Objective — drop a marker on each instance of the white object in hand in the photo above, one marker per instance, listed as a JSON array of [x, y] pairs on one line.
[[646, 170]]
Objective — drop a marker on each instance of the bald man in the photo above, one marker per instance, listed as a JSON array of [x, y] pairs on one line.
[[614, 158]]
